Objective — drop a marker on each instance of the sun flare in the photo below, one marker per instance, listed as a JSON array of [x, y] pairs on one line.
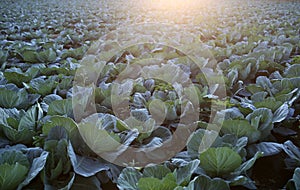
[[174, 4]]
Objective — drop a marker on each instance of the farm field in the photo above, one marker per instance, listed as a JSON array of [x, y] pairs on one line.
[[143, 95]]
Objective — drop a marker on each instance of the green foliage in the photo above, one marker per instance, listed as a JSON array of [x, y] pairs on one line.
[[220, 161], [19, 168], [69, 97]]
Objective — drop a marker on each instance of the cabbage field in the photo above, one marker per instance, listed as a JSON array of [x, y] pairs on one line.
[[150, 94]]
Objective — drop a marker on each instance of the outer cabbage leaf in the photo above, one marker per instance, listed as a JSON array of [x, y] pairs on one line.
[[84, 165], [219, 161], [61, 107], [156, 171], [42, 86], [294, 183], [267, 148], [22, 129], [66, 122], [128, 179], [150, 183], [13, 98], [184, 173], [17, 76], [14, 166], [281, 113], [202, 139], [12, 175], [98, 131], [261, 119], [37, 165], [205, 182], [241, 128], [293, 71]]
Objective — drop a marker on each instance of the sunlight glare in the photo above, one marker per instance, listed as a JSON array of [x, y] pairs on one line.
[[174, 4]]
